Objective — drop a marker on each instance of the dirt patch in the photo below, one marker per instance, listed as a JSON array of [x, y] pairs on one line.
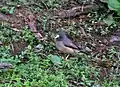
[[17, 47], [18, 19]]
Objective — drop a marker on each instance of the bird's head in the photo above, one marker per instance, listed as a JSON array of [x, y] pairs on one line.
[[60, 36]]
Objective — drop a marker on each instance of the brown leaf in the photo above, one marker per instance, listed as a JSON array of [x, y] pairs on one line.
[[104, 64], [103, 73], [32, 26]]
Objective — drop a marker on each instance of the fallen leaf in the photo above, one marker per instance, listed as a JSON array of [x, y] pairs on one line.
[[56, 60], [115, 38], [39, 47], [109, 20], [32, 27], [5, 65], [11, 11]]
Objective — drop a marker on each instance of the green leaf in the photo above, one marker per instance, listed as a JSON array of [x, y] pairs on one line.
[[114, 5], [109, 20], [11, 11], [55, 59], [4, 9]]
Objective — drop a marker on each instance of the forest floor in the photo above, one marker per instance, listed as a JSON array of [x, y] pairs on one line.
[[29, 57]]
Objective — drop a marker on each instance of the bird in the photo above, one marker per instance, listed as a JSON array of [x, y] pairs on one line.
[[65, 44]]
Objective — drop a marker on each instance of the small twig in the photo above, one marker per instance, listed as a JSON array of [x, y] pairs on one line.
[[77, 11], [32, 27], [83, 31], [12, 47], [83, 6]]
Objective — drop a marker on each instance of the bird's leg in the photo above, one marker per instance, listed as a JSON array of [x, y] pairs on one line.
[[67, 56]]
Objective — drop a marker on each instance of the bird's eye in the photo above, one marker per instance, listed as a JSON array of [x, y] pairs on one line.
[[57, 36]]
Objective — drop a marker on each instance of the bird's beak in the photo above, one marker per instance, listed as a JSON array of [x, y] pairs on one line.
[[57, 36]]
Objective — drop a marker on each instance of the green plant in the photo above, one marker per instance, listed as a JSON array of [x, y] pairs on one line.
[[114, 5], [110, 84], [29, 68], [7, 10], [51, 3]]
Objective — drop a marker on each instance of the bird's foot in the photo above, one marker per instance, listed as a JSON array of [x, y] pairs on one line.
[[67, 57]]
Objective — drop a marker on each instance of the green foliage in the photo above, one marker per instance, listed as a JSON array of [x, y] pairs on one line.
[[4, 9], [114, 5], [7, 10], [28, 36], [34, 73], [110, 84], [51, 3], [77, 69], [31, 70]]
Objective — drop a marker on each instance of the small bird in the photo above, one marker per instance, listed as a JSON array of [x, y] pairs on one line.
[[65, 44]]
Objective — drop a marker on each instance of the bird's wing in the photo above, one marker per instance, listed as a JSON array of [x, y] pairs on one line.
[[67, 42], [61, 47]]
